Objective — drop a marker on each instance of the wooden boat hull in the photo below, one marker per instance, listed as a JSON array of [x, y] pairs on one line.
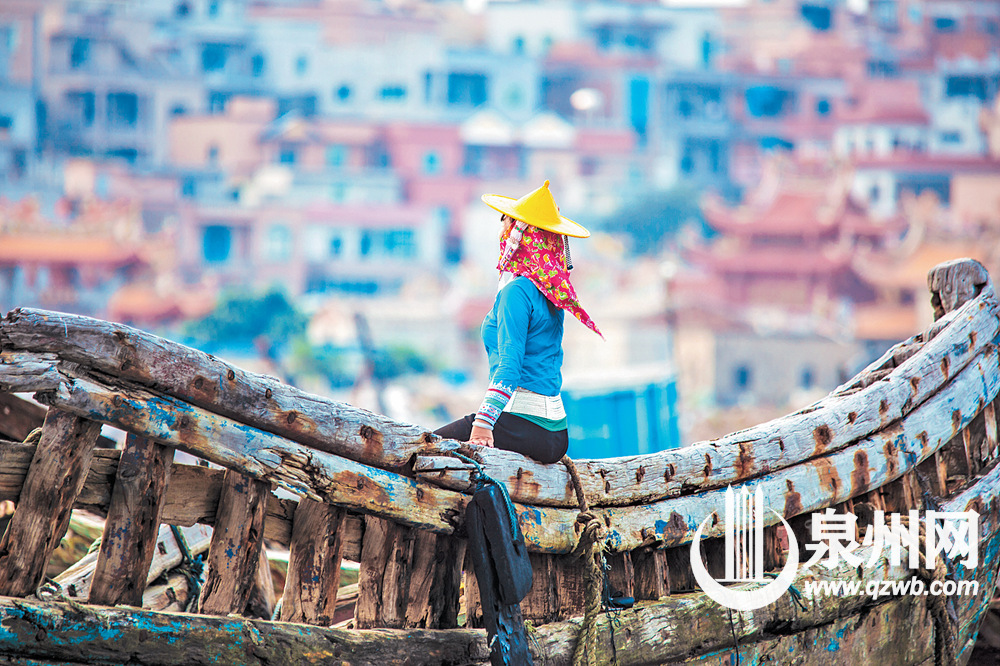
[[684, 629], [917, 429]]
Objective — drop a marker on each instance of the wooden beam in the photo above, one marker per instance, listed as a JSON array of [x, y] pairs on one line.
[[54, 479], [651, 580], [236, 542], [132, 525], [830, 424], [314, 560], [821, 481], [192, 494], [204, 380]]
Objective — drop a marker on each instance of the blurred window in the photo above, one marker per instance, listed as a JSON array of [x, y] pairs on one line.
[[277, 244], [394, 243], [213, 57], [819, 16], [257, 65], [217, 102], [743, 377], [807, 379], [81, 104], [967, 86], [343, 93], [287, 154], [216, 243], [769, 101], [123, 110], [945, 24], [301, 65], [394, 92], [823, 107], [79, 53], [467, 89]]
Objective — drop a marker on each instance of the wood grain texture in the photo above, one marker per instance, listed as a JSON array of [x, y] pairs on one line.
[[686, 629], [823, 480], [133, 523], [237, 538], [192, 494], [204, 380], [51, 485], [314, 560], [845, 416]]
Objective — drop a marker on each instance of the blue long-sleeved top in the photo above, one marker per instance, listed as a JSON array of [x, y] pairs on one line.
[[522, 334]]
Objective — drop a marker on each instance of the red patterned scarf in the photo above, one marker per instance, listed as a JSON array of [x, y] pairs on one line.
[[539, 257]]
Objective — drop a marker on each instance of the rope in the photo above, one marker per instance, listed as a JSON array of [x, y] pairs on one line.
[[590, 547], [50, 590], [482, 478], [191, 567]]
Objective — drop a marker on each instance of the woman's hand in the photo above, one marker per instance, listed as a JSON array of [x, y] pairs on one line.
[[481, 436]]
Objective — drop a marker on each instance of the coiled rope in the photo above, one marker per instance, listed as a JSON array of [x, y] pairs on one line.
[[591, 548]]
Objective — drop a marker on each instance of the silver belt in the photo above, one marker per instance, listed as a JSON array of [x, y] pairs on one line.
[[530, 403]]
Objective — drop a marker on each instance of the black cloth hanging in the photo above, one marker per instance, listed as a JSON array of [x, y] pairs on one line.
[[503, 570]]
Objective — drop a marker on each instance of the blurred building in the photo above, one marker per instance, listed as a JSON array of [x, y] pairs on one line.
[[338, 148]]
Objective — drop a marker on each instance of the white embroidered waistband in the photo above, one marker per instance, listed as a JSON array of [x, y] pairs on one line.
[[529, 403]]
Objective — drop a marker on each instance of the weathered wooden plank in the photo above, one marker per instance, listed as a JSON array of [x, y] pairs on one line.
[[167, 555], [990, 443], [823, 480], [18, 416], [132, 525], [541, 605], [828, 425], [204, 380], [60, 632], [236, 542], [651, 581], [54, 479], [444, 599], [192, 494], [954, 283], [650, 633], [383, 579], [22, 372], [314, 560], [304, 471], [621, 574], [417, 610]]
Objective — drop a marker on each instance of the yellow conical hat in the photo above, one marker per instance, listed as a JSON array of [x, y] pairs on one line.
[[538, 209]]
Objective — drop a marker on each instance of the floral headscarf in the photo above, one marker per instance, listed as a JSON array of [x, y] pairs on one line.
[[537, 254]]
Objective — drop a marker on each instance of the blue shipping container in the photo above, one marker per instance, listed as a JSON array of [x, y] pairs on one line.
[[626, 420]]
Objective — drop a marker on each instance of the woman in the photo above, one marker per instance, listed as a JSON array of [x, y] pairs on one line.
[[522, 410]]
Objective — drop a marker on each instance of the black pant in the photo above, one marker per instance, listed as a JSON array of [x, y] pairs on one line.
[[514, 433]]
